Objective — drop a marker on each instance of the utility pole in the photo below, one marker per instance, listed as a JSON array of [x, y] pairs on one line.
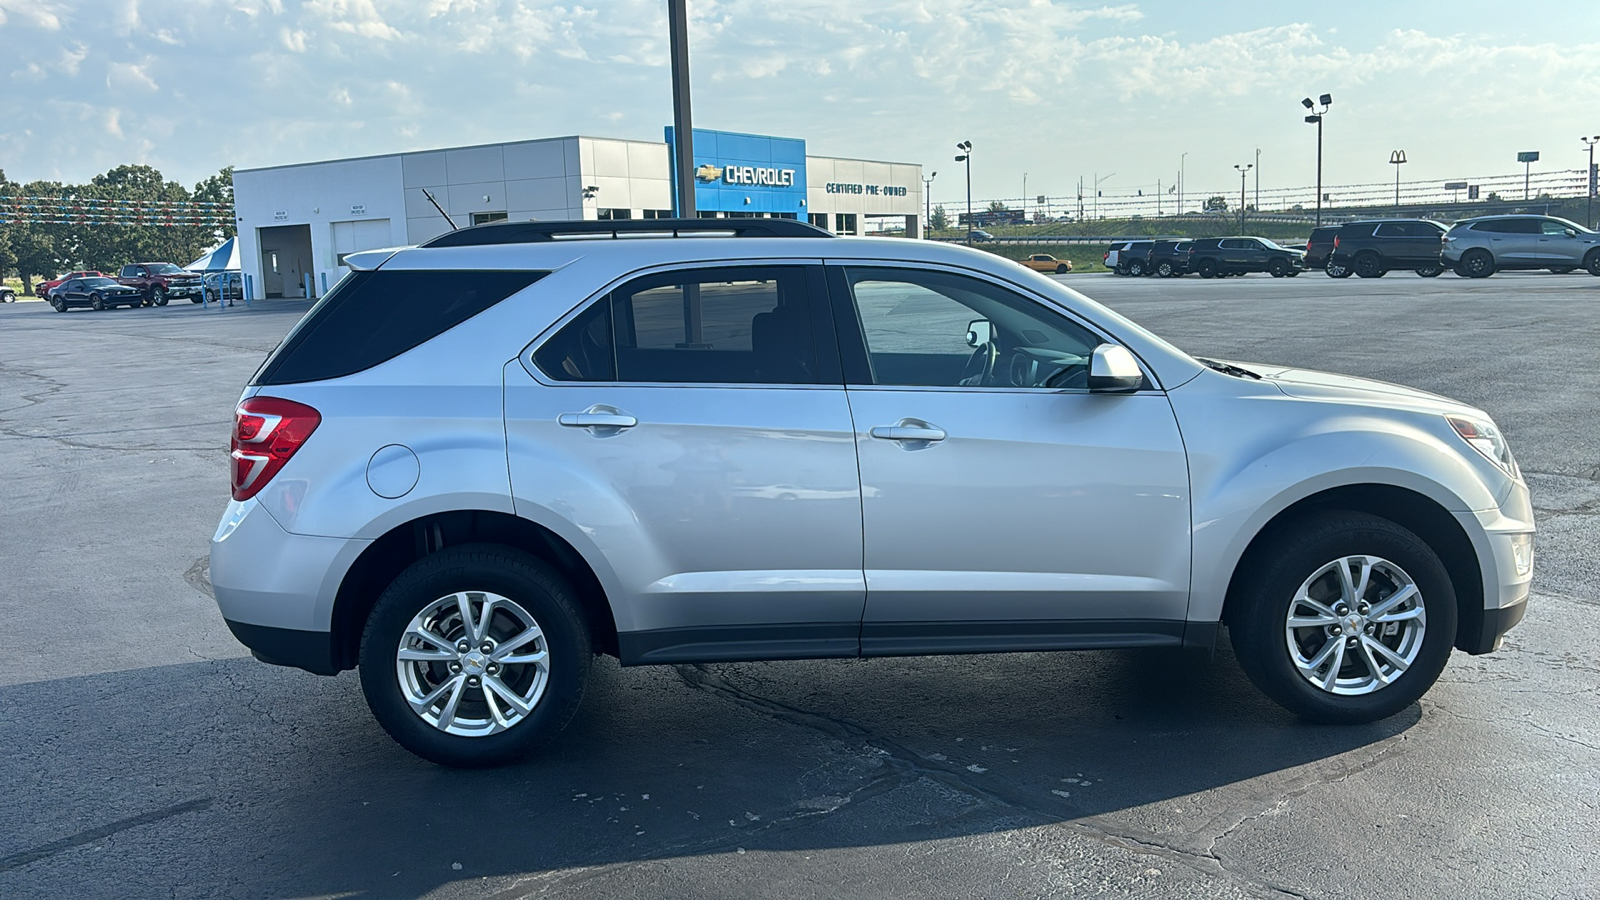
[[1258, 179], [1183, 158], [1158, 198], [1242, 170], [1527, 158], [682, 120], [1588, 209], [1024, 198], [927, 195]]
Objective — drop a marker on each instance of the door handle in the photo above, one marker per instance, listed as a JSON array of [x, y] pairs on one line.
[[598, 419], [910, 431]]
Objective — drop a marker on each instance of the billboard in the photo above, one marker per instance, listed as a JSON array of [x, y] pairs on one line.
[[751, 173]]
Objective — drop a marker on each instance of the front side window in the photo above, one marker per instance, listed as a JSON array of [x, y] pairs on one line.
[[938, 329], [734, 325], [1555, 227]]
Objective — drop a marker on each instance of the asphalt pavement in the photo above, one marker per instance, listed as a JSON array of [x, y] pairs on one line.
[[146, 755]]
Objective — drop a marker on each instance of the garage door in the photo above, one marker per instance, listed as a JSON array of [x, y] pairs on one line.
[[361, 234]]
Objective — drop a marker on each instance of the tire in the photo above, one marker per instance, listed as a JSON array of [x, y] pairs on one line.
[[194, 299], [7, 297], [1062, 269], [1206, 268], [1301, 563], [1367, 265], [1165, 270], [527, 588], [1278, 267], [1477, 264], [1562, 270], [59, 306], [160, 297], [1592, 263], [97, 302], [1335, 270], [1431, 271]]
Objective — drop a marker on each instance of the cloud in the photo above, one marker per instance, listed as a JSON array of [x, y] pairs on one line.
[[37, 13], [359, 17]]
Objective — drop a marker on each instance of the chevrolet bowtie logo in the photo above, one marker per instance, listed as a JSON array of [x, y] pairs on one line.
[[708, 173]]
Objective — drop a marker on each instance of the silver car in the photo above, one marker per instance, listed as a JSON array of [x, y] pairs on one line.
[[477, 463], [1477, 248]]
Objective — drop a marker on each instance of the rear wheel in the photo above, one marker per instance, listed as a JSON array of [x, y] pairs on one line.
[[1164, 270], [1136, 267], [1430, 271], [1477, 264], [1207, 268], [1337, 270], [475, 656], [1347, 618], [1367, 265]]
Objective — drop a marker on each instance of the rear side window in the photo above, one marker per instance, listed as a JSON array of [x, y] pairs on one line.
[[372, 317]]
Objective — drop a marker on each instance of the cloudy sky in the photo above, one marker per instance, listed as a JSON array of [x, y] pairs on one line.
[[1057, 90]]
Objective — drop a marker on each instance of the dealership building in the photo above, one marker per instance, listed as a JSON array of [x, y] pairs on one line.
[[298, 222]]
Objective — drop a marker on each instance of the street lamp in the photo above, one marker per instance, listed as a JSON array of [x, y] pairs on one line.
[[1316, 117], [927, 195], [1182, 159], [1398, 159], [966, 157], [1588, 209], [1242, 169]]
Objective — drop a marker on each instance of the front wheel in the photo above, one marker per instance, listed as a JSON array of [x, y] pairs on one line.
[[1592, 263], [475, 656], [1278, 268], [1206, 268], [1349, 618], [1061, 269], [1367, 265], [160, 297], [97, 302]]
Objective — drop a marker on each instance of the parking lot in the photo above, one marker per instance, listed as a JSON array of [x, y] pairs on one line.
[[145, 754]]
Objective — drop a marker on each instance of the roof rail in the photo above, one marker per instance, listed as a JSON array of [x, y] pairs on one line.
[[535, 232]]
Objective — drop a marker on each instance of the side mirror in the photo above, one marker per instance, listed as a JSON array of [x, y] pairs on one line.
[[1571, 233], [1112, 369], [979, 332]]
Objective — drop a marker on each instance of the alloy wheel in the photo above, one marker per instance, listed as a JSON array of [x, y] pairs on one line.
[[473, 663], [1356, 625]]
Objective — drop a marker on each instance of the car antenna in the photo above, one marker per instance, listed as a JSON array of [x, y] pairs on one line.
[[453, 226]]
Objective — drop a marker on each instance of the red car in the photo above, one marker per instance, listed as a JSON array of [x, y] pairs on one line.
[[45, 287]]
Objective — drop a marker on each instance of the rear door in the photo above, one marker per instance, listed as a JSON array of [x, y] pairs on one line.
[[1517, 241], [1002, 512], [691, 425]]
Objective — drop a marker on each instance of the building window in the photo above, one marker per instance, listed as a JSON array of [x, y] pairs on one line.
[[485, 218], [709, 214], [786, 215], [616, 213], [740, 214], [658, 214], [845, 223], [819, 219]]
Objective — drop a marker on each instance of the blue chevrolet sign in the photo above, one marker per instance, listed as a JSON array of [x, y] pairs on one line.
[[752, 173]]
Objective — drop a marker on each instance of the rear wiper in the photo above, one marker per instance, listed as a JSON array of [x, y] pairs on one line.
[[1227, 369]]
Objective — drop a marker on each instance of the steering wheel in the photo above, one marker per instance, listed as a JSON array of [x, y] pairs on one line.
[[979, 370]]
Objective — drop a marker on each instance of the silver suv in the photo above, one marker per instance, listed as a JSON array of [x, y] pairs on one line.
[[1477, 248], [477, 463]]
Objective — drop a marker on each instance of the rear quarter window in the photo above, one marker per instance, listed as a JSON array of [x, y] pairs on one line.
[[372, 317]]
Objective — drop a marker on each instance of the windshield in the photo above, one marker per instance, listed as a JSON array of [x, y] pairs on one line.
[[1270, 245], [166, 269], [98, 282]]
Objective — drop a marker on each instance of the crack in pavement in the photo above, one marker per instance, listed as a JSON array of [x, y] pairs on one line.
[[44, 851]]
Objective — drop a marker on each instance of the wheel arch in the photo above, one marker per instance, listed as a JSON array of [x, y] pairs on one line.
[[404, 544], [1416, 512]]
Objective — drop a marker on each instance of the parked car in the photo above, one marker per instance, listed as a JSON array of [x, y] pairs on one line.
[[1372, 249], [1127, 257], [1215, 257], [159, 282], [216, 283], [1169, 259], [42, 289], [477, 463], [1477, 248], [1044, 262], [7, 295], [1319, 247], [96, 293]]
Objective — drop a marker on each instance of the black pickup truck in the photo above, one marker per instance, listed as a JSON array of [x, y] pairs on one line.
[[1374, 248], [1216, 257]]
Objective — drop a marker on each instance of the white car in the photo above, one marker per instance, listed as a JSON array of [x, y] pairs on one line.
[[479, 462]]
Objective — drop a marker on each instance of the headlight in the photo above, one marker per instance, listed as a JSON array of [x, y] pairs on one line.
[[1486, 439]]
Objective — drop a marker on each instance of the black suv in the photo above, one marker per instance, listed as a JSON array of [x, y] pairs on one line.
[[1319, 247], [1169, 259], [1216, 257], [1371, 249]]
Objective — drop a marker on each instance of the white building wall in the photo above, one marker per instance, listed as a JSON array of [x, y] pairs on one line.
[[870, 188]]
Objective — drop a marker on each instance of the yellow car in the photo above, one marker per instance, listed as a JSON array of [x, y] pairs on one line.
[[1044, 262]]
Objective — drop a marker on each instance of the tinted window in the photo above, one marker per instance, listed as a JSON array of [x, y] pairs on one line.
[[1391, 229], [372, 317], [1509, 226], [1552, 226], [97, 282], [130, 271], [744, 325], [919, 331]]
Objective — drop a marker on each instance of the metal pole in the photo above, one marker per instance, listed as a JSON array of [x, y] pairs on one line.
[[1258, 179], [1588, 208], [970, 224], [682, 120], [1319, 169], [1182, 182], [1526, 168]]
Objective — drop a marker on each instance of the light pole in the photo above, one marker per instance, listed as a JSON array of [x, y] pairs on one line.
[[1527, 158], [1242, 170], [1398, 159], [1258, 179], [966, 157], [1024, 198], [1588, 209], [1316, 117], [1182, 158], [1097, 182], [927, 195]]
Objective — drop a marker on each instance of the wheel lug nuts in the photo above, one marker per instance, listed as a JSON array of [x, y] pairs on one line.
[[455, 667], [486, 646], [463, 646], [473, 681]]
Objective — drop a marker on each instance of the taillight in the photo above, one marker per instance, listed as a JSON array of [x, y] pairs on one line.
[[1336, 242], [266, 432]]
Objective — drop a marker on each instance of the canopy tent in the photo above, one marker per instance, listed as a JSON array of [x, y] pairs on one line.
[[223, 259]]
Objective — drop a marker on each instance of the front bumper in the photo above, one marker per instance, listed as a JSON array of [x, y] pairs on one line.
[[276, 590], [1503, 541]]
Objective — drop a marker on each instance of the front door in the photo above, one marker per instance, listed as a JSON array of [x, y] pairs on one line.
[[690, 428], [1004, 506]]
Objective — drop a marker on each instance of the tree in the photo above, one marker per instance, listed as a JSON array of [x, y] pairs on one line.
[[940, 220], [1218, 203], [219, 189], [995, 206]]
